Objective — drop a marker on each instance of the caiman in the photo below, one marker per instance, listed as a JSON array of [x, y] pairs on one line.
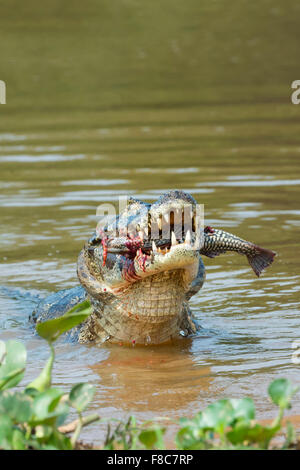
[[140, 270]]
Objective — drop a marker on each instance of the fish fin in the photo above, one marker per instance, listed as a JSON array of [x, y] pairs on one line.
[[261, 259]]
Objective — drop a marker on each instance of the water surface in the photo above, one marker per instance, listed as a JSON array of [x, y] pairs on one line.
[[106, 99]]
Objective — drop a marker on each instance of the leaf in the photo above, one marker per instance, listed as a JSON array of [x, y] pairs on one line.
[[152, 438], [58, 441], [148, 438], [50, 438], [18, 440], [46, 401], [6, 432], [16, 405], [253, 434], [81, 395], [85, 305], [190, 437], [47, 406], [6, 381], [52, 329], [217, 416], [13, 363], [243, 408], [281, 392]]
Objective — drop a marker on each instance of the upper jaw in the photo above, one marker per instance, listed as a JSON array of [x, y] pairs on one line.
[[173, 217], [160, 230], [123, 262]]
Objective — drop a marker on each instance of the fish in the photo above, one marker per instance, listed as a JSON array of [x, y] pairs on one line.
[[216, 242]]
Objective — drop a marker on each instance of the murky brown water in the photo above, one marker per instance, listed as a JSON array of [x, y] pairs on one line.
[[134, 98]]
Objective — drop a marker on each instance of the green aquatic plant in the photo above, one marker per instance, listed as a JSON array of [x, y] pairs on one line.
[[226, 424], [31, 418], [34, 418], [130, 436], [231, 424]]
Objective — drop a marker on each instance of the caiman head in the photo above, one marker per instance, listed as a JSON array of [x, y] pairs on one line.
[[141, 269]]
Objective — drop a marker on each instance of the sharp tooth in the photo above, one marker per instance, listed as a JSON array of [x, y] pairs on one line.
[[173, 239], [166, 217], [154, 247], [188, 237]]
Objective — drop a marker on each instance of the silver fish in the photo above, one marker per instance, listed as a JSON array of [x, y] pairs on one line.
[[217, 242]]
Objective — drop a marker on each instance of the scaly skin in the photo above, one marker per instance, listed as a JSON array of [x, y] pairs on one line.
[[140, 271]]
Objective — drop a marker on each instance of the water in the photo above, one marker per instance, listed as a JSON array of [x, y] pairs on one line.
[[137, 98]]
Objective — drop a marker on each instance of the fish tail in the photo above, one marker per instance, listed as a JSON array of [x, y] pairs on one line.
[[261, 259]]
